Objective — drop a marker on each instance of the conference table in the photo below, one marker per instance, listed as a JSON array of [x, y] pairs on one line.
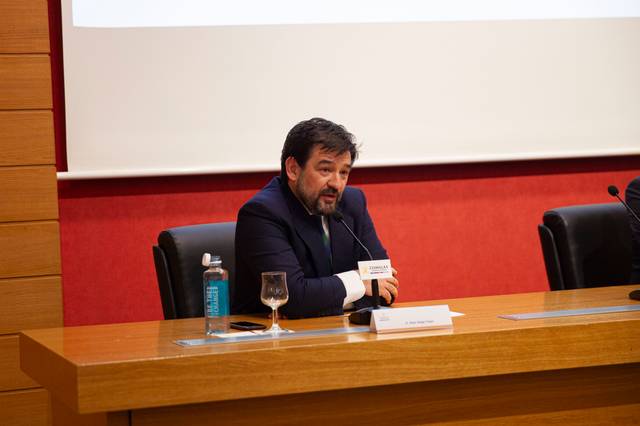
[[485, 370]]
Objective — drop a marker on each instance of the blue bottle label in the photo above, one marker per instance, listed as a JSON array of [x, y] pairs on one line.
[[217, 294]]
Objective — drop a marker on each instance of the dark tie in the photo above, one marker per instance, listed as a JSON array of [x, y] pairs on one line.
[[327, 246]]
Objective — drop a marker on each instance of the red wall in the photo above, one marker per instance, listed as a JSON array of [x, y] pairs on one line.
[[452, 231]]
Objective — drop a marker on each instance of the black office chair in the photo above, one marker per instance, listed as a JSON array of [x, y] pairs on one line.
[[586, 246], [178, 258]]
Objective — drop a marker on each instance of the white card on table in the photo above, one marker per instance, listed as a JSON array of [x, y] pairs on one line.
[[410, 319]]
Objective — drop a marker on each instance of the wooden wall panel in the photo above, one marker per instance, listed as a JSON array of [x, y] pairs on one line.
[[25, 82], [26, 138], [29, 249], [29, 231], [25, 408], [30, 303], [28, 193], [11, 377], [24, 26]]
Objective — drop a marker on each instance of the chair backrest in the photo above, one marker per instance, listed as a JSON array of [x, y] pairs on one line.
[[586, 246], [178, 258]]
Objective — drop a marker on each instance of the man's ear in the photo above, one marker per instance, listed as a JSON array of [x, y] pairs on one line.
[[292, 168]]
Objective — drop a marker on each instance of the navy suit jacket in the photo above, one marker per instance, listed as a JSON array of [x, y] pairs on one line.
[[633, 200], [275, 232]]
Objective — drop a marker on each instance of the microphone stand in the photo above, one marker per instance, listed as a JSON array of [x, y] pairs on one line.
[[362, 316]]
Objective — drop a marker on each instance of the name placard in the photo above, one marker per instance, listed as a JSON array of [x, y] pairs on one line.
[[411, 319], [374, 269]]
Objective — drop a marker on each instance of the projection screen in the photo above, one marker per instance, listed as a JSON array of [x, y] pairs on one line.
[[166, 87]]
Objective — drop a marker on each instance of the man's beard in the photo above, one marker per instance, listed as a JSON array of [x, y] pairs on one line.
[[315, 203]]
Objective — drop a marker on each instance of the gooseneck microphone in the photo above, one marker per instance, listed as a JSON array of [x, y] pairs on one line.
[[361, 316], [338, 216], [613, 191]]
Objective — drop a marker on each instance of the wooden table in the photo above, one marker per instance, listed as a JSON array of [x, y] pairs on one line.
[[485, 371]]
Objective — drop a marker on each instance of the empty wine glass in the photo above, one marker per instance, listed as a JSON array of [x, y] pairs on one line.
[[274, 294]]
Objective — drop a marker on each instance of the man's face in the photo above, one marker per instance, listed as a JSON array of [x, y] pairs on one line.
[[319, 185]]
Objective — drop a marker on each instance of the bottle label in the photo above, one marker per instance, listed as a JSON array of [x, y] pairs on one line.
[[217, 294]]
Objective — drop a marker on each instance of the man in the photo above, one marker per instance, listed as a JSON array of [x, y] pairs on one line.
[[288, 226], [632, 195]]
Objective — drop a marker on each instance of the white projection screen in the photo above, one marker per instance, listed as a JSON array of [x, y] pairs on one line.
[[207, 86]]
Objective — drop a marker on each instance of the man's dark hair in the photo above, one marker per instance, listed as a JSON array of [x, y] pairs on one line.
[[306, 134]]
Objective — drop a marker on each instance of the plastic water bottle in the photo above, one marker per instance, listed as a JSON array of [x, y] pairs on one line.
[[216, 295]]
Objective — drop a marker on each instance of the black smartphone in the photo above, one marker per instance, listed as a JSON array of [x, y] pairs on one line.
[[247, 325]]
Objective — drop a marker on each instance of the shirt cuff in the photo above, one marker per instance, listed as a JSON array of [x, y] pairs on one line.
[[353, 285]]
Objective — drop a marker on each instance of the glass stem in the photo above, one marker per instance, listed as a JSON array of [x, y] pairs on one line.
[[274, 318]]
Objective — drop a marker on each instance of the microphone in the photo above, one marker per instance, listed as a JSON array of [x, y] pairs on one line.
[[613, 191], [338, 216], [361, 316]]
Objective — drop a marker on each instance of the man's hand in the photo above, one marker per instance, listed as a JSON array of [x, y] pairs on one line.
[[386, 286]]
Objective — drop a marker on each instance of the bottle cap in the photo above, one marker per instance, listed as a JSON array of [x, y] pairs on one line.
[[208, 259]]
